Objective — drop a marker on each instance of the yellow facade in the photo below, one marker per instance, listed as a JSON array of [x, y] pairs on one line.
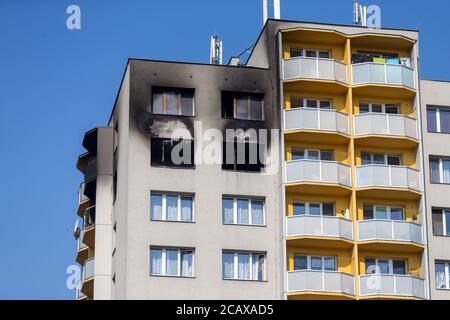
[[348, 202]]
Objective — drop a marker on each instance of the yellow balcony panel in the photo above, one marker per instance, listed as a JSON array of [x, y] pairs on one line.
[[313, 121], [89, 236], [316, 136], [82, 255], [309, 35], [378, 90], [388, 193], [381, 141], [319, 296], [390, 246], [310, 188], [318, 86], [308, 283], [319, 231], [380, 42], [388, 286]]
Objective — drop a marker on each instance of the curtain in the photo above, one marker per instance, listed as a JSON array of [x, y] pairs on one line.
[[186, 263], [242, 212], [434, 170], [258, 267], [186, 209], [244, 266], [316, 263], [228, 266], [155, 261], [440, 276], [172, 102], [446, 171], [157, 106], [171, 262], [438, 224], [172, 208], [156, 207], [227, 211], [257, 212], [330, 264]]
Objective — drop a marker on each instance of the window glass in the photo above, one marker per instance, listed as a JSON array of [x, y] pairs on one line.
[[378, 108], [314, 209], [172, 208], [446, 171], [399, 267], [300, 262], [370, 266], [392, 109], [156, 206], [171, 262], [186, 263], [368, 212], [316, 263], [242, 212], [364, 108], [397, 214], [227, 208], [256, 107], [324, 54], [186, 209], [311, 53], [296, 52], [155, 261], [445, 120], [157, 104], [431, 120], [187, 104], [258, 267], [438, 224], [257, 212], [328, 209], [434, 170], [440, 275], [298, 154], [242, 107], [313, 155], [378, 159], [244, 266], [447, 222], [172, 102], [325, 104], [311, 104], [326, 155], [393, 160], [228, 265], [299, 209], [366, 159], [381, 213], [330, 264], [296, 102], [383, 266]]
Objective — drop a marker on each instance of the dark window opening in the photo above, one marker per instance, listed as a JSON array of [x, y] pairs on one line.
[[243, 156], [114, 187], [182, 157], [243, 106]]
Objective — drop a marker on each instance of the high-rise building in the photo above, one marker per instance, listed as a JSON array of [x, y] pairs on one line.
[[342, 201]]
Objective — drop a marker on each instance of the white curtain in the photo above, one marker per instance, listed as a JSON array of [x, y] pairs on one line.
[[186, 263], [156, 206], [227, 210], [172, 208], [257, 212], [228, 265], [155, 261], [172, 262], [186, 209], [244, 266], [242, 212], [440, 276]]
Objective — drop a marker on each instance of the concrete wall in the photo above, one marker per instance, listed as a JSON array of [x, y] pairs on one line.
[[437, 195]]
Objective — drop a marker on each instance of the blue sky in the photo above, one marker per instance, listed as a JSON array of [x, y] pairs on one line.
[[55, 84]]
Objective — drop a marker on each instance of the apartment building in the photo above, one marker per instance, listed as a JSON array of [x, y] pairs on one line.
[[340, 214]]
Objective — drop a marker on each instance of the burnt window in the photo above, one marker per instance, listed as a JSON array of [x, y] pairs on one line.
[[242, 155], [182, 157], [115, 187], [243, 106], [173, 101]]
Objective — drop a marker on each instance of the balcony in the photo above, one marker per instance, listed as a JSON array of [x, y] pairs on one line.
[[78, 294], [390, 231], [308, 281], [82, 249], [314, 172], [327, 121], [89, 227], [392, 285], [388, 125], [390, 178], [319, 226], [386, 74], [87, 277], [314, 68]]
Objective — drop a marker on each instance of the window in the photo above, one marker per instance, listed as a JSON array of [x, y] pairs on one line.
[[438, 120], [442, 274], [439, 170], [244, 266], [313, 209], [173, 101], [365, 107], [441, 222], [376, 212], [316, 263], [171, 262], [170, 207], [385, 266], [305, 154], [161, 153], [297, 102], [297, 52], [243, 106], [243, 211], [243, 156], [382, 159]]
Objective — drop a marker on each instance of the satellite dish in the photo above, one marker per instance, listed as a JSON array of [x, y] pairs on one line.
[[76, 230]]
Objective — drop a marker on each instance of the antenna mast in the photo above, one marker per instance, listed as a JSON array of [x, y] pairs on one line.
[[215, 54]]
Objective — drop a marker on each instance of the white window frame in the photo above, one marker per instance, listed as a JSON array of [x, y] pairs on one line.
[[444, 221], [318, 101], [307, 151], [307, 208], [309, 258], [441, 169], [315, 50], [179, 262], [390, 265], [383, 107], [250, 218], [249, 107], [236, 266], [163, 92], [446, 274], [164, 206], [438, 118], [388, 211], [385, 156]]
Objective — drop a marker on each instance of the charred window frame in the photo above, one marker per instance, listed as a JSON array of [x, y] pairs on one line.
[[234, 162], [243, 106], [173, 101], [161, 152]]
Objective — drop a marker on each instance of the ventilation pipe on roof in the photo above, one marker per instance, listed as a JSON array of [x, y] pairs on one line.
[[276, 10]]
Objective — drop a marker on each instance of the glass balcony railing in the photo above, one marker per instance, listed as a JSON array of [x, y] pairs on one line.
[[88, 269], [81, 196], [314, 68], [385, 124], [380, 73], [319, 226], [392, 285], [78, 293], [388, 230], [80, 244], [315, 171], [375, 175], [320, 281], [316, 119]]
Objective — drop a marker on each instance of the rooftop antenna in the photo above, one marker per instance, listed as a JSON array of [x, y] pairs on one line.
[[215, 54], [276, 10], [359, 14]]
